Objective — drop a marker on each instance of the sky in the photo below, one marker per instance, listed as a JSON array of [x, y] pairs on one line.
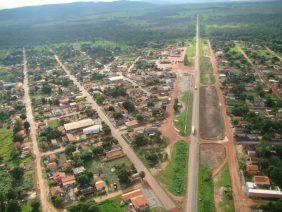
[[7, 4]]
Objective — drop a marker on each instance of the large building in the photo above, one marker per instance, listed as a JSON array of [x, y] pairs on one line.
[[78, 124]]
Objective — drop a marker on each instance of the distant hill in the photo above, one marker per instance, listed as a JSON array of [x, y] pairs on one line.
[[71, 10], [136, 22]]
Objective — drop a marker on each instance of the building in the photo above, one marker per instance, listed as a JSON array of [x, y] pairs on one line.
[[127, 196], [253, 191], [137, 199], [68, 180], [114, 154], [116, 78], [58, 176], [140, 203], [252, 169], [92, 129], [52, 166], [78, 124], [100, 187], [261, 181], [87, 191], [55, 191], [78, 170]]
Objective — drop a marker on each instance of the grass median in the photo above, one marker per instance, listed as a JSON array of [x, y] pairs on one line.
[[206, 190], [175, 174]]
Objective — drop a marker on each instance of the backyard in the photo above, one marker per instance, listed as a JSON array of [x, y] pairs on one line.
[[106, 169]]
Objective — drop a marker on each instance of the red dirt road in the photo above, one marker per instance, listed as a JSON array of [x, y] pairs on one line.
[[241, 202]]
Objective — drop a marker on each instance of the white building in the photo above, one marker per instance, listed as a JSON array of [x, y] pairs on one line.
[[92, 129]]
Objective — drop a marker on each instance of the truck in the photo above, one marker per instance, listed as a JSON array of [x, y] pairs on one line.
[[194, 132]]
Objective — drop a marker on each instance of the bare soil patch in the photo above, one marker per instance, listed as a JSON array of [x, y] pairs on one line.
[[212, 155], [211, 123]]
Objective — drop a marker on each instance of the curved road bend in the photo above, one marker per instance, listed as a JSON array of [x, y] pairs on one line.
[[41, 183], [193, 167], [157, 189]]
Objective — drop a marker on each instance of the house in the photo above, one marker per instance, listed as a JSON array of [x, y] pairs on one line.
[[58, 176], [66, 165], [70, 137], [127, 196], [87, 191], [76, 153], [55, 191], [61, 129], [51, 165], [114, 154], [116, 78], [100, 187], [252, 169], [132, 124], [140, 203], [137, 199], [68, 180], [52, 158], [78, 124], [261, 181], [78, 170]]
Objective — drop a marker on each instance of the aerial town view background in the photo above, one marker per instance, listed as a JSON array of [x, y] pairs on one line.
[[141, 106]]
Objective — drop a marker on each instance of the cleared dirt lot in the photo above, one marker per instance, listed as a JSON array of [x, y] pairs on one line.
[[212, 155], [211, 124]]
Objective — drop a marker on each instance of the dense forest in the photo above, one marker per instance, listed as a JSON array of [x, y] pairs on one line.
[[140, 22]]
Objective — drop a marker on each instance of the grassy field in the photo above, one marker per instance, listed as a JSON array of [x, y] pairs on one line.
[[227, 204], [190, 53], [184, 118], [112, 205], [6, 143], [175, 174], [206, 74], [206, 190], [54, 123]]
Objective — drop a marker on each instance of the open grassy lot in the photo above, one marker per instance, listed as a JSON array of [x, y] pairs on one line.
[[206, 74], [175, 174], [206, 190], [6, 143], [227, 203], [211, 126], [184, 118], [190, 53], [112, 205], [104, 169], [54, 123]]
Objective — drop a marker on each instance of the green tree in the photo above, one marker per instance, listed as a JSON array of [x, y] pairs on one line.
[[129, 106], [35, 205]]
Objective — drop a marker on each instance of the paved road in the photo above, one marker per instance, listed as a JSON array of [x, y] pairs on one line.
[[193, 168], [157, 189], [41, 183]]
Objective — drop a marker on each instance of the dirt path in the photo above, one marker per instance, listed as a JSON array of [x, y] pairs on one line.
[[240, 199], [41, 183], [259, 73]]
